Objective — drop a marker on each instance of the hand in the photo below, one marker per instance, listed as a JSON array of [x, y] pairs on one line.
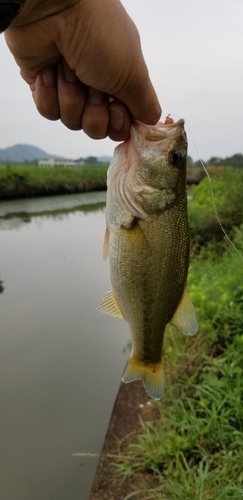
[[83, 62]]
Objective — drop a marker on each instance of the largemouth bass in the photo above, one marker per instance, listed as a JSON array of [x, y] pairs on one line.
[[147, 239]]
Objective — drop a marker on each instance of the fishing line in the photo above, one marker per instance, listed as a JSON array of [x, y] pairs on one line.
[[211, 192]]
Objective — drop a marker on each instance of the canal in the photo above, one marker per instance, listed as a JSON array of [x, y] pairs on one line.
[[60, 360]]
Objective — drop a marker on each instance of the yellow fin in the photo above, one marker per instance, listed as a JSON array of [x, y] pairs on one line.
[[106, 246], [108, 305], [184, 318], [151, 374]]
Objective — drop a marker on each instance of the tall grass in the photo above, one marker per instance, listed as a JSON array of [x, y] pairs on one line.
[[29, 181]]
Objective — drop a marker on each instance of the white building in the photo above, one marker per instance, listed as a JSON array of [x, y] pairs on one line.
[[59, 163]]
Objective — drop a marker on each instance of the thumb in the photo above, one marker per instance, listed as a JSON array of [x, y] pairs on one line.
[[141, 100]]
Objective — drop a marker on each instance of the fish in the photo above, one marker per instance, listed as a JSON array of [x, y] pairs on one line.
[[148, 244]]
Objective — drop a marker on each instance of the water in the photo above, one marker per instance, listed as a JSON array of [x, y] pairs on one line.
[[60, 360]]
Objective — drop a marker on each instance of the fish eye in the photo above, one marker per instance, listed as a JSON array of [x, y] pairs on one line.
[[176, 157]]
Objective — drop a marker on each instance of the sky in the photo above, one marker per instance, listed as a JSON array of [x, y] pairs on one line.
[[194, 53]]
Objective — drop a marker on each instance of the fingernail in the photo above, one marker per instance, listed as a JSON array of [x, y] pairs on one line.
[[49, 77], [116, 118], [96, 97]]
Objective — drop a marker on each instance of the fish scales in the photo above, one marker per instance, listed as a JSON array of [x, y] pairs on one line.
[[144, 281], [147, 239]]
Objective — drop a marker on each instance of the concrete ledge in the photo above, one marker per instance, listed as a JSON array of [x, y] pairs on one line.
[[125, 420]]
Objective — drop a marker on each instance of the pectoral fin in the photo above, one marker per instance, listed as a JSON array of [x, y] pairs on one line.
[[184, 318], [108, 305]]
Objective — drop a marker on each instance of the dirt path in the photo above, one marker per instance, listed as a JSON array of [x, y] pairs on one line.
[[125, 420]]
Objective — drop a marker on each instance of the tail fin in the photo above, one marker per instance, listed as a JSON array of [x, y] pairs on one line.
[[152, 375]]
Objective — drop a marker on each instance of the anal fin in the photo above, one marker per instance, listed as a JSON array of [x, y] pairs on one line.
[[184, 318]]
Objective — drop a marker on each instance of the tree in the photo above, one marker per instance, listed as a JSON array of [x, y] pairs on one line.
[[91, 159]]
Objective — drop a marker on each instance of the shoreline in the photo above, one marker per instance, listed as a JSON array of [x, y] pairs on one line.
[[23, 191], [28, 182]]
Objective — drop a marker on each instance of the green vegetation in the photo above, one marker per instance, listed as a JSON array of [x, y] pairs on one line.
[[16, 181], [194, 451], [215, 166], [235, 161], [228, 195]]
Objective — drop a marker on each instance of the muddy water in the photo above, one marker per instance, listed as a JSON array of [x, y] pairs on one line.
[[60, 360]]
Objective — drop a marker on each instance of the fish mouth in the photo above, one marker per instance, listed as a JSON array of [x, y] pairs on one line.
[[161, 131]]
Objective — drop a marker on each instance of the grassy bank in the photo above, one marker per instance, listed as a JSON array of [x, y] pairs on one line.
[[204, 227], [19, 181], [195, 449]]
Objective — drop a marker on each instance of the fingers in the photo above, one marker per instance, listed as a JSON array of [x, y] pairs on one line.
[[59, 94], [119, 122], [95, 117], [71, 97], [44, 92], [102, 118]]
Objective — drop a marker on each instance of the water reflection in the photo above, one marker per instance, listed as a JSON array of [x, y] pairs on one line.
[[60, 360], [15, 213]]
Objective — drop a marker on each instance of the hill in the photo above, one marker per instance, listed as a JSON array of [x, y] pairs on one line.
[[19, 153]]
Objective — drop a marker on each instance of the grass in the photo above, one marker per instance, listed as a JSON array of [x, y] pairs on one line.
[[204, 226], [194, 451], [32, 181]]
